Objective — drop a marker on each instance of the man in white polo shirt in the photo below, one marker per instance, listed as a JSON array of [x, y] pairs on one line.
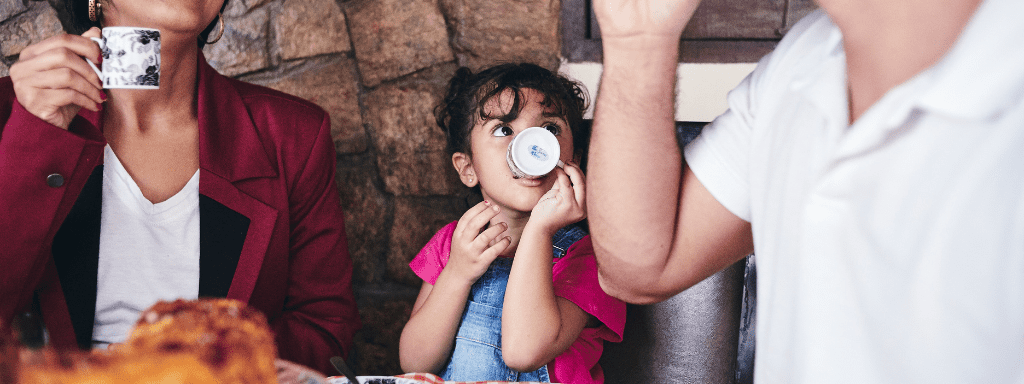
[[874, 162]]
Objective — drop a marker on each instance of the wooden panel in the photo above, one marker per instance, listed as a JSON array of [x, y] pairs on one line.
[[736, 19], [724, 51], [721, 31], [726, 19], [797, 10], [577, 44]]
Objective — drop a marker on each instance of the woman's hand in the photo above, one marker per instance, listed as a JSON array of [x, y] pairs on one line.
[[473, 248], [565, 203], [53, 81], [640, 18]]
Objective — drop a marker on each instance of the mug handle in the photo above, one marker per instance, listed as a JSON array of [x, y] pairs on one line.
[[97, 70]]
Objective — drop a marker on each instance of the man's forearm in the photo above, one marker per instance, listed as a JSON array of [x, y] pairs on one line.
[[635, 163]]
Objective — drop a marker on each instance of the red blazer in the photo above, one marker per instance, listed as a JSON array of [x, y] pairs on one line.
[[271, 225]]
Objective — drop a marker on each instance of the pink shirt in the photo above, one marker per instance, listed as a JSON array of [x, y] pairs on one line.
[[575, 279]]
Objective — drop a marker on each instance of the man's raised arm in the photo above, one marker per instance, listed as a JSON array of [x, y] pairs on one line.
[[656, 230]]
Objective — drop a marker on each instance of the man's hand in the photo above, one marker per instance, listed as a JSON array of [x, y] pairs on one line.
[[628, 19]]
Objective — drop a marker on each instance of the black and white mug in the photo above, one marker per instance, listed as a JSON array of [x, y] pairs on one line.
[[131, 58]]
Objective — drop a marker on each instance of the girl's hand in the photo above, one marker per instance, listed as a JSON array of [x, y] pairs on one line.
[[473, 250], [53, 81], [643, 18], [565, 203]]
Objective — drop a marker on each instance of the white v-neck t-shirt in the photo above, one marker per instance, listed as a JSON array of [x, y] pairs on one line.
[[148, 252]]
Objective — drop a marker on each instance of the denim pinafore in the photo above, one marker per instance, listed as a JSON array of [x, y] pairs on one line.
[[477, 352]]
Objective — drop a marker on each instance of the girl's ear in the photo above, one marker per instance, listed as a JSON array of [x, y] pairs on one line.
[[464, 166]]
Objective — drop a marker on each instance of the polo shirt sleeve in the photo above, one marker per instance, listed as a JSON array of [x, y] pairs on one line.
[[434, 256], [720, 156]]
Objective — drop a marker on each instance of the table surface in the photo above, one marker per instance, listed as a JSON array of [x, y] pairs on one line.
[[408, 378]]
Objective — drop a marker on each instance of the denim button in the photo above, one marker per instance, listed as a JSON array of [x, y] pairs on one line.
[[55, 180]]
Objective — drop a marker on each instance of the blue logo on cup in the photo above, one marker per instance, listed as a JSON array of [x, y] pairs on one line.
[[532, 153], [538, 153]]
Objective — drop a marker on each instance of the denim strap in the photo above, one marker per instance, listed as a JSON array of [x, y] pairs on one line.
[[564, 238]]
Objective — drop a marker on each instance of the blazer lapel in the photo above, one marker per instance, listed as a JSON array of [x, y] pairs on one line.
[[76, 251], [248, 220], [230, 151], [229, 144], [222, 233]]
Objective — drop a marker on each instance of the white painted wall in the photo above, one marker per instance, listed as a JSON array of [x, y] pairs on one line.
[[700, 89]]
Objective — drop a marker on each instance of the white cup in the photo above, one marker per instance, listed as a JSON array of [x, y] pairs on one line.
[[533, 153], [131, 58]]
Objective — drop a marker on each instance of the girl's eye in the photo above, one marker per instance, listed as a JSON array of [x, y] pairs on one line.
[[502, 130], [553, 128]]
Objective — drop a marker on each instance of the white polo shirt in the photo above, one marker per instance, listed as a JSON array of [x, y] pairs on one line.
[[892, 250]]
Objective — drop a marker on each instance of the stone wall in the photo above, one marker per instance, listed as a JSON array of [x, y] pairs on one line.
[[378, 67]]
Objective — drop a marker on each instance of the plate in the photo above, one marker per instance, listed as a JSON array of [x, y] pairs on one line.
[[373, 380]]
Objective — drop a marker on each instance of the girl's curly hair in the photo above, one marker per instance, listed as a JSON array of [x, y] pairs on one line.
[[467, 93]]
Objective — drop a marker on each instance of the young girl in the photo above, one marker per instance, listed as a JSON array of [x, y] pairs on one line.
[[510, 290]]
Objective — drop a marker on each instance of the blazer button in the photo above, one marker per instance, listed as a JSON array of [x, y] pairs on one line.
[[55, 180]]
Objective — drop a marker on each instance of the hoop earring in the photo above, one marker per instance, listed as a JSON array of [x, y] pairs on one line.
[[220, 33], [95, 10]]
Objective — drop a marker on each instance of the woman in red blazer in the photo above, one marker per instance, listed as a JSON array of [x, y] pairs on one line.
[[271, 227]]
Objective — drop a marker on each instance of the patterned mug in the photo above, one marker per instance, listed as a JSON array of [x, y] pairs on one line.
[[131, 58]]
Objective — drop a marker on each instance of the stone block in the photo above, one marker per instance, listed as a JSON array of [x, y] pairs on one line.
[[334, 87], [237, 8], [495, 31], [5, 70], [305, 28], [377, 342], [243, 47], [410, 147], [10, 8], [416, 221], [418, 173], [250, 4], [36, 24], [393, 38], [368, 213]]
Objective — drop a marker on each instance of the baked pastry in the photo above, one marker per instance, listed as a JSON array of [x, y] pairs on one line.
[[8, 356], [50, 366], [233, 340]]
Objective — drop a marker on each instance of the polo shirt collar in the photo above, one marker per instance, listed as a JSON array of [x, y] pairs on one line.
[[825, 85], [981, 74]]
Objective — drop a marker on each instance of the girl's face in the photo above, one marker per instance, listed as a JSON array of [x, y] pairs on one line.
[[489, 142]]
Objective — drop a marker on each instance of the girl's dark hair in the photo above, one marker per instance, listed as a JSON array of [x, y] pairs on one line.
[[74, 18], [467, 93]]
